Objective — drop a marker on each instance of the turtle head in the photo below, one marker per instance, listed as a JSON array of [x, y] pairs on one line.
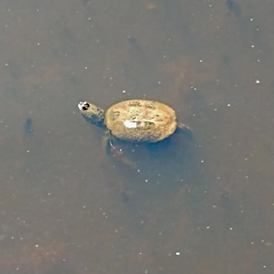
[[92, 113]]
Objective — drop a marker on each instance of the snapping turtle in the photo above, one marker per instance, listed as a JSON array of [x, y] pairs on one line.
[[136, 120]]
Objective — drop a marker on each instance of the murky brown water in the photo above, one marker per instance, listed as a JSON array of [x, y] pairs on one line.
[[195, 206]]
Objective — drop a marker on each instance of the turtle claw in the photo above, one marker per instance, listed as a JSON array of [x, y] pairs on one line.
[[118, 154]]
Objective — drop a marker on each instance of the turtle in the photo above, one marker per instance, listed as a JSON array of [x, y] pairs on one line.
[[135, 120]]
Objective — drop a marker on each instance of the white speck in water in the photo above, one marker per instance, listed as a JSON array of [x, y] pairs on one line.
[[257, 81], [177, 253]]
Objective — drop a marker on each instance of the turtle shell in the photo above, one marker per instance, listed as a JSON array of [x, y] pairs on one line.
[[140, 120]]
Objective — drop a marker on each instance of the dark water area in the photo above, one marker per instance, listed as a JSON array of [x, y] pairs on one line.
[[28, 127], [185, 205]]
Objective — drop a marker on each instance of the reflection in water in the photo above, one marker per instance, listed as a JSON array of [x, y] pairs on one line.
[[133, 43], [234, 7], [28, 126]]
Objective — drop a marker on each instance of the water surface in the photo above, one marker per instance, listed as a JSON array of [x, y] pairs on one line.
[[194, 206]]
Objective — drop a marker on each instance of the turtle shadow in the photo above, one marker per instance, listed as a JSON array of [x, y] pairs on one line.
[[170, 147], [169, 158]]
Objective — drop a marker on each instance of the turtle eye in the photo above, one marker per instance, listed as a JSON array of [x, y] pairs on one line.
[[86, 106]]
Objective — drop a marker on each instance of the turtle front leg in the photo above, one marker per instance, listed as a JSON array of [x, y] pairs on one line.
[[115, 151], [106, 141]]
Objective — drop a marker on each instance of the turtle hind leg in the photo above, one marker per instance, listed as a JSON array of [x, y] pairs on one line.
[[182, 128]]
